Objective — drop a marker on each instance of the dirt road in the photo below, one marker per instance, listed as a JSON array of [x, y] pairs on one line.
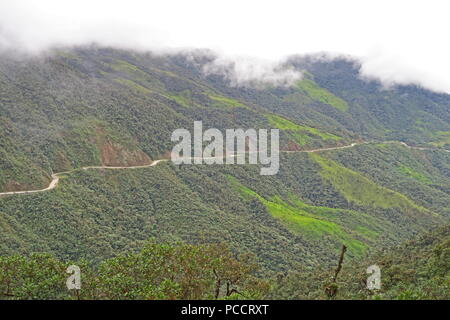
[[55, 176]]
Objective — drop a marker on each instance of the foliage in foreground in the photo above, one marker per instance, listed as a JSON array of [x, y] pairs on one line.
[[419, 269], [158, 271]]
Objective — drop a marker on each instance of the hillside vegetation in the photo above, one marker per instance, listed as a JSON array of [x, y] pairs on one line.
[[418, 269], [93, 106]]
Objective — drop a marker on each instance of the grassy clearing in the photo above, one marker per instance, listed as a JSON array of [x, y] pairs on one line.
[[409, 172], [130, 69], [299, 133], [224, 102], [133, 85], [298, 219], [322, 95], [360, 190], [184, 98], [442, 139]]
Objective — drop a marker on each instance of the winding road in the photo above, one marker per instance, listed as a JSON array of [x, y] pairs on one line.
[[55, 176]]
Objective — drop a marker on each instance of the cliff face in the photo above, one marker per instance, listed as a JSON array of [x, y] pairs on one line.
[[116, 155]]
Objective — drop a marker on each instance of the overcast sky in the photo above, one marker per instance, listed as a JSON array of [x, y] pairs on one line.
[[397, 41]]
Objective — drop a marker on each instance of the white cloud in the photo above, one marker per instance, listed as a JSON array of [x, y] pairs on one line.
[[243, 71], [397, 41]]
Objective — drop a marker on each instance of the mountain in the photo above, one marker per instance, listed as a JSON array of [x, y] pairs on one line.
[[378, 176]]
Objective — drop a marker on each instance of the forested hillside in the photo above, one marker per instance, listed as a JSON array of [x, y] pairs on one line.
[[88, 106], [418, 269], [92, 106]]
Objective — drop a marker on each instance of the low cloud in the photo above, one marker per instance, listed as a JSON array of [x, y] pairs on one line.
[[392, 70], [393, 47], [250, 71]]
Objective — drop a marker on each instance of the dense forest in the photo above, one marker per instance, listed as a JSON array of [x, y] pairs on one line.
[[217, 231], [416, 270]]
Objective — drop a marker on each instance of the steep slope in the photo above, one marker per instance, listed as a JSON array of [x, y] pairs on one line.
[[100, 106], [295, 217], [89, 106], [405, 113]]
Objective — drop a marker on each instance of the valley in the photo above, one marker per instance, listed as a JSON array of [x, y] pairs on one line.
[[85, 176]]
